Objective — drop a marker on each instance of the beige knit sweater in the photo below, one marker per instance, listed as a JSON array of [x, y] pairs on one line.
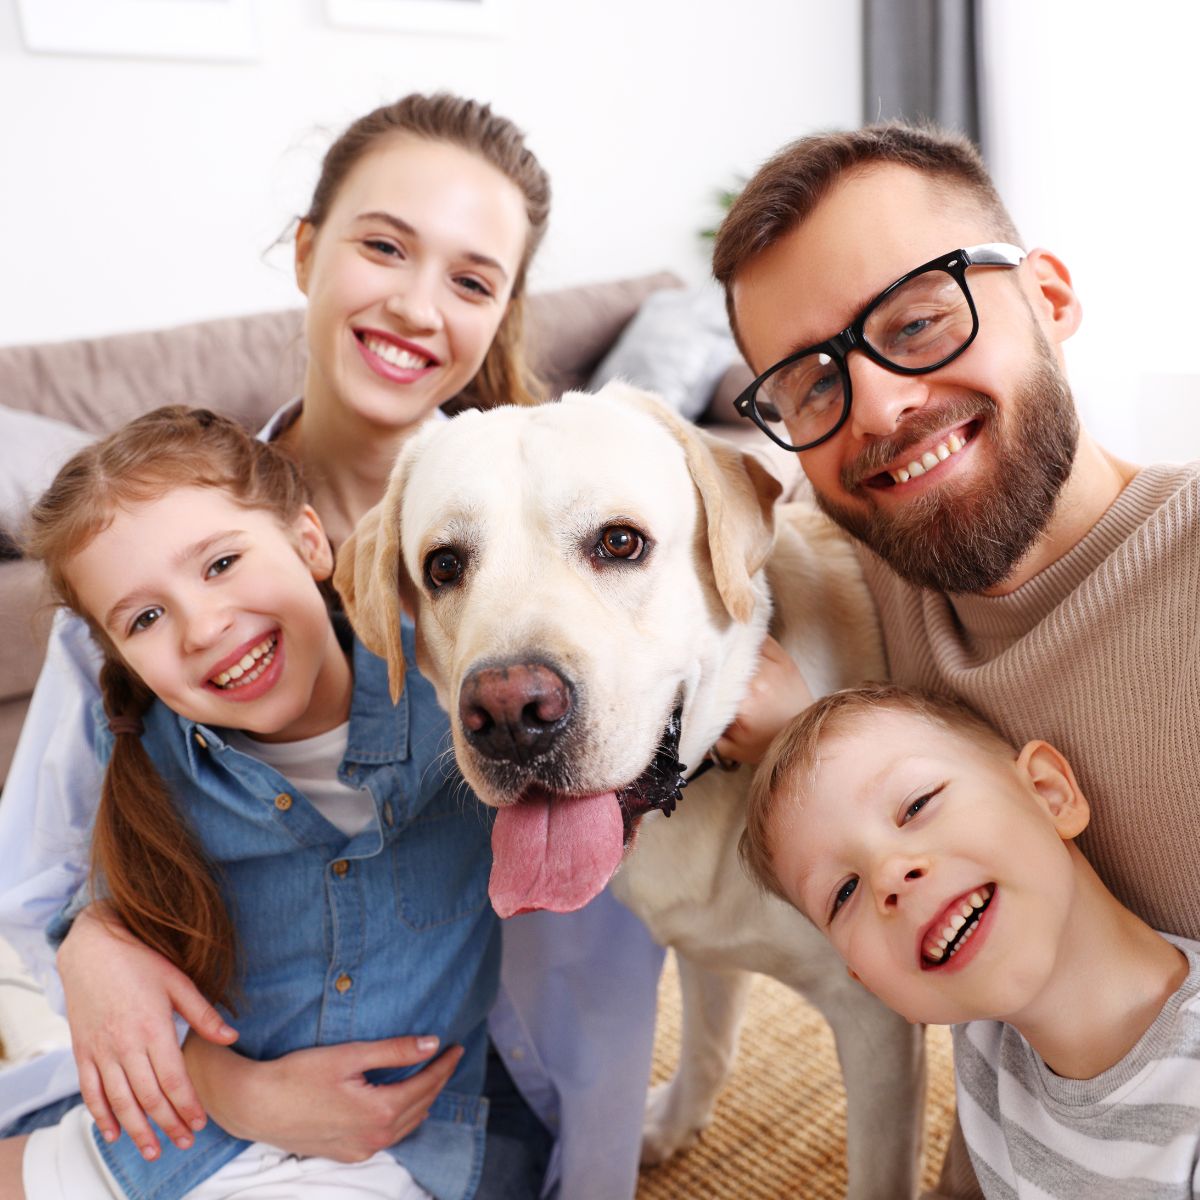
[[1100, 655]]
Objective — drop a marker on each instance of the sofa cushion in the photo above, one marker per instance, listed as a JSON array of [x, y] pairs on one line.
[[678, 346], [32, 448]]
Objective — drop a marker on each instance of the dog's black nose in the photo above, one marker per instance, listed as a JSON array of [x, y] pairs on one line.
[[513, 713]]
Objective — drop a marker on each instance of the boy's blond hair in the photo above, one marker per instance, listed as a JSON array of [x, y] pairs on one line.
[[791, 760]]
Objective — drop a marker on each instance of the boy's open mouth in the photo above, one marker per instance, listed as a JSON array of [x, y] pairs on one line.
[[955, 926], [249, 667]]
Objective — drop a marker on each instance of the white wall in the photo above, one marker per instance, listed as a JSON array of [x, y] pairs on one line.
[[1094, 147], [136, 194]]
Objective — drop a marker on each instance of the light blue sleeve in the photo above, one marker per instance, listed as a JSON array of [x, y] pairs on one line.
[[50, 800]]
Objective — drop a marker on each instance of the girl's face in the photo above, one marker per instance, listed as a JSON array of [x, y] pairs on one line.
[[407, 279], [215, 607]]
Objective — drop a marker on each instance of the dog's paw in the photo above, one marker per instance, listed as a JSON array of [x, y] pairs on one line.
[[668, 1129]]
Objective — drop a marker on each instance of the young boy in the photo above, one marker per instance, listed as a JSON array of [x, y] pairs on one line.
[[940, 864]]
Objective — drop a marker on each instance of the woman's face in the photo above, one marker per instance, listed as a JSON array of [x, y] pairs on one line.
[[407, 280]]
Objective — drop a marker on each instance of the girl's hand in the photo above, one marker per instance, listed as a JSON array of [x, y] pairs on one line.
[[776, 694], [120, 999], [316, 1102]]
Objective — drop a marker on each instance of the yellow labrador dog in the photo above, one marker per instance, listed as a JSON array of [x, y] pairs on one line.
[[591, 582]]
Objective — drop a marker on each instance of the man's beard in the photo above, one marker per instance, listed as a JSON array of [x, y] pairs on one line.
[[970, 538]]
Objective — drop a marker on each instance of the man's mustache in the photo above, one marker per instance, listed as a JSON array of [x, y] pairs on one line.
[[922, 424]]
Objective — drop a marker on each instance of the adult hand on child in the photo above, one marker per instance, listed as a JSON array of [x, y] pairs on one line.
[[317, 1101], [121, 997], [775, 695]]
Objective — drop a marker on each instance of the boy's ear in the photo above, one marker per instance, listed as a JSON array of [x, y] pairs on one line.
[[313, 544], [1056, 786]]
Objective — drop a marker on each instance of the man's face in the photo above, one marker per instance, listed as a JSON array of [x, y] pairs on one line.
[[992, 434]]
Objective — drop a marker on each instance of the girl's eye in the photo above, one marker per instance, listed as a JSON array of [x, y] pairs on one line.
[[221, 565], [621, 542], [843, 894], [144, 620]]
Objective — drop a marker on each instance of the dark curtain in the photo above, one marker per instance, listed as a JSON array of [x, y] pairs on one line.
[[922, 61]]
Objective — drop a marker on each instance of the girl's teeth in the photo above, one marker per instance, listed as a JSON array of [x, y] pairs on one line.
[[251, 665], [938, 945]]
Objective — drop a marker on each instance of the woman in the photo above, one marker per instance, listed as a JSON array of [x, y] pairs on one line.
[[413, 255]]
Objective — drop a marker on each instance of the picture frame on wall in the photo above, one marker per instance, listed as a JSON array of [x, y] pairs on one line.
[[465, 17], [215, 30]]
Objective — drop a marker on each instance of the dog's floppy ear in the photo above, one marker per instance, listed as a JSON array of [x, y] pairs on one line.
[[371, 579], [738, 494]]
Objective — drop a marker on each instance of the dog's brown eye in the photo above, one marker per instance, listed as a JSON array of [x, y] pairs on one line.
[[621, 541], [442, 567]]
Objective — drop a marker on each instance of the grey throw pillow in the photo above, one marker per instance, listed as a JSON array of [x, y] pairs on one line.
[[32, 448], [678, 345]]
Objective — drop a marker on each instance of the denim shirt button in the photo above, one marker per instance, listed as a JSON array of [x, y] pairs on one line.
[[200, 741], [387, 812], [283, 802], [343, 983], [341, 867]]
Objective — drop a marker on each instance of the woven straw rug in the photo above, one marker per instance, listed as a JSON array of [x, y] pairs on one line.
[[780, 1127]]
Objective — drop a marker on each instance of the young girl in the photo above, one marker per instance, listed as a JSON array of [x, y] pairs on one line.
[[269, 822], [413, 255]]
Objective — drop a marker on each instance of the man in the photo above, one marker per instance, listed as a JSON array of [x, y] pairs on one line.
[[1015, 563]]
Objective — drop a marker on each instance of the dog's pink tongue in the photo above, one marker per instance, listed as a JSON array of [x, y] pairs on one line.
[[554, 853]]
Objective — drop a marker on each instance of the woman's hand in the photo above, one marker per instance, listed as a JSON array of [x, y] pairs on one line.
[[120, 999], [317, 1102], [775, 695]]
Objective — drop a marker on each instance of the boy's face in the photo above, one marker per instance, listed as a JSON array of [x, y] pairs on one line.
[[938, 869]]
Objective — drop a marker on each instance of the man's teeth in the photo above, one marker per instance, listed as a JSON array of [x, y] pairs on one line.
[[393, 354], [930, 459], [953, 935], [249, 667]]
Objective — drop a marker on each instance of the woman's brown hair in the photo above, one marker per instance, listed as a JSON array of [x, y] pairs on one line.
[[505, 376], [144, 853]]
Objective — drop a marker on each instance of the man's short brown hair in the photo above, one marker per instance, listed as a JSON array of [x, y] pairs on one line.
[[787, 770], [789, 186]]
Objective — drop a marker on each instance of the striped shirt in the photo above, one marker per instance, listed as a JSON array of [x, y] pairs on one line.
[[1131, 1133]]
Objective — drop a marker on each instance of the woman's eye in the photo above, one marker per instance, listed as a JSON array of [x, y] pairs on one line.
[[843, 894], [144, 620], [476, 286], [380, 246], [621, 541], [221, 565], [442, 568]]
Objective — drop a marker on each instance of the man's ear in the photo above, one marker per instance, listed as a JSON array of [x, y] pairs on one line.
[[1052, 779], [313, 543], [1052, 295], [306, 234]]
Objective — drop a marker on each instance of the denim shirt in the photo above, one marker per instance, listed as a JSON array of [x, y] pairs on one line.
[[383, 934]]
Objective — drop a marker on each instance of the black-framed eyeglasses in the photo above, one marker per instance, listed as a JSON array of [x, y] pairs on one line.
[[921, 322]]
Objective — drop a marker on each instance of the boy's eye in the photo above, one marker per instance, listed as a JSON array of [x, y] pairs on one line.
[[917, 805], [842, 895], [144, 620], [221, 565]]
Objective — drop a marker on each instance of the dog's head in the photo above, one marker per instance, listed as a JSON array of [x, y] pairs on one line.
[[578, 574]]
